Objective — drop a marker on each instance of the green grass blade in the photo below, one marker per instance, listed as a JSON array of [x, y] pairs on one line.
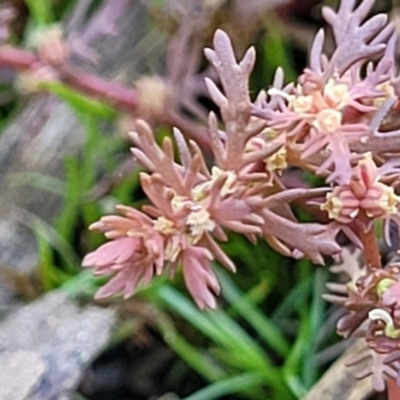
[[83, 284], [46, 268], [316, 318], [296, 299], [183, 307], [198, 361], [41, 11], [292, 365], [267, 330], [235, 384], [249, 352], [237, 348], [66, 221], [53, 238], [217, 326], [38, 181], [78, 101]]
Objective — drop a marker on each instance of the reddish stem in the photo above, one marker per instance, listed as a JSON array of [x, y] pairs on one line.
[[18, 59], [371, 249], [393, 390], [370, 244], [119, 95], [122, 97]]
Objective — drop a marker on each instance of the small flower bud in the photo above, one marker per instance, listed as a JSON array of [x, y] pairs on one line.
[[364, 192], [300, 104], [328, 120], [164, 226], [277, 162], [387, 93], [341, 205], [200, 222], [51, 46], [336, 93], [153, 95]]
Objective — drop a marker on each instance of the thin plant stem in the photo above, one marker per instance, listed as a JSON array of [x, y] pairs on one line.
[[393, 390], [370, 244], [123, 97]]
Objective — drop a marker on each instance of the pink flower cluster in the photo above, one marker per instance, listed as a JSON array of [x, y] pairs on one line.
[[335, 121], [364, 196], [192, 205]]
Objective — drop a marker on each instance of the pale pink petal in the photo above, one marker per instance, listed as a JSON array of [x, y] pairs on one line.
[[113, 287], [199, 278], [115, 252]]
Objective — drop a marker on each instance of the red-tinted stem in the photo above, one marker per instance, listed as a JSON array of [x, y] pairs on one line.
[[393, 390], [122, 97], [16, 58], [371, 249]]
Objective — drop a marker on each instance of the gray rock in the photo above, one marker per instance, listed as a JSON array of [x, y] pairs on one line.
[[21, 373], [64, 339], [45, 131]]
